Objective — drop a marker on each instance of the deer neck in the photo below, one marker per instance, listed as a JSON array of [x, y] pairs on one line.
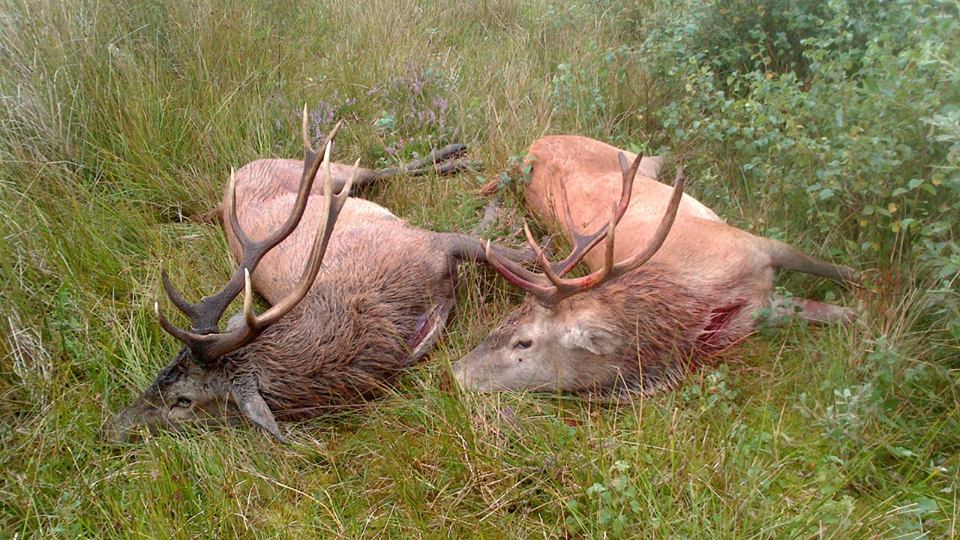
[[340, 345], [662, 320]]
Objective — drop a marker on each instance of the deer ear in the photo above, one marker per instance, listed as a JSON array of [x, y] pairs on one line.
[[255, 409], [595, 339]]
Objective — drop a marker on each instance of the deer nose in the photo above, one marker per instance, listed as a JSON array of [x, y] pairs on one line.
[[459, 370], [119, 429], [114, 431]]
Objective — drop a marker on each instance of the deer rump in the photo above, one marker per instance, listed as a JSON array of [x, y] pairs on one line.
[[670, 283]]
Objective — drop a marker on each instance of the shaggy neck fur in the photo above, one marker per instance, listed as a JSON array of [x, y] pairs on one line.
[[663, 323], [348, 338]]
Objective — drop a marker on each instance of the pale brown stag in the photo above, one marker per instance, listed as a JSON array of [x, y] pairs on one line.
[[672, 285], [350, 308]]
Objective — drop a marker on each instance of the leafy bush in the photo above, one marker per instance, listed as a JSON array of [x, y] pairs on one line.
[[841, 118]]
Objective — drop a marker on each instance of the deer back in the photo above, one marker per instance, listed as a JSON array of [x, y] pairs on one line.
[[266, 191], [584, 173]]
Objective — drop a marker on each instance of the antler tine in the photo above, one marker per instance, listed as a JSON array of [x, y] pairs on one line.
[[205, 339], [188, 338], [582, 244], [328, 221], [333, 132], [238, 231], [599, 277], [542, 258], [561, 288], [531, 282], [516, 274], [305, 129], [515, 268], [611, 240], [200, 344], [660, 236], [174, 295], [311, 166]]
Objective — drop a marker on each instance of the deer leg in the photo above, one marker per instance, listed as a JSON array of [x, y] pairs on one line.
[[444, 160], [437, 155], [790, 258], [363, 178], [447, 167], [783, 308], [441, 161], [463, 247]]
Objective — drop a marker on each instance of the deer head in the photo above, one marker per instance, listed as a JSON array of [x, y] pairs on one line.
[[207, 378], [568, 331]]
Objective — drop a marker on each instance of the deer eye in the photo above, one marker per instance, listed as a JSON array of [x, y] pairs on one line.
[[182, 402], [523, 344]]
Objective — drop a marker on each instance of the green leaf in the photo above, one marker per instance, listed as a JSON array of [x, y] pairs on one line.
[[386, 121], [900, 451], [926, 506], [596, 489]]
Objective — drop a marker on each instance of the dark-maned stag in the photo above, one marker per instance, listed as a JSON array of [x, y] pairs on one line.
[[673, 284], [351, 306]]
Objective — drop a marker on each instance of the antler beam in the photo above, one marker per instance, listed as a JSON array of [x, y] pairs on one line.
[[205, 339], [550, 287]]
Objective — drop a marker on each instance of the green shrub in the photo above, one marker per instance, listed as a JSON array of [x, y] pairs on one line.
[[845, 124]]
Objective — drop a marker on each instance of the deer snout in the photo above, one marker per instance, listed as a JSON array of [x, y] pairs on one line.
[[468, 376], [117, 430], [471, 375], [457, 373], [125, 426]]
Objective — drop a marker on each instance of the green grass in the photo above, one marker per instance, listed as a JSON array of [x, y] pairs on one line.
[[119, 122]]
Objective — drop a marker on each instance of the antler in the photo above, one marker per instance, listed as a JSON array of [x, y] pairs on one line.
[[204, 339], [582, 243], [550, 287]]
